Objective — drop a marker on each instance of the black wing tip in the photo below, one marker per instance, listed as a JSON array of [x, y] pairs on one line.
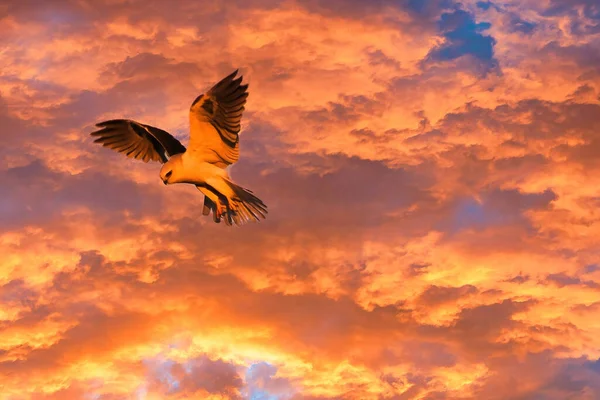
[[228, 83], [113, 122], [232, 78], [197, 99], [101, 132]]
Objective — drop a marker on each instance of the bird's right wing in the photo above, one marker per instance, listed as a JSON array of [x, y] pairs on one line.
[[215, 121], [143, 142]]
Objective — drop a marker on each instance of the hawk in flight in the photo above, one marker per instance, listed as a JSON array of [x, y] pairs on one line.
[[215, 118]]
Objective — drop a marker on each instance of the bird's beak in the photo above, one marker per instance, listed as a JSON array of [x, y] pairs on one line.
[[165, 181]]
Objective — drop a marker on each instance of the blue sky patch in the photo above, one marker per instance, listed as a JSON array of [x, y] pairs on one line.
[[465, 37]]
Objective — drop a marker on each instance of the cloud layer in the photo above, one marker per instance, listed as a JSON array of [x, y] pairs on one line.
[[431, 171]]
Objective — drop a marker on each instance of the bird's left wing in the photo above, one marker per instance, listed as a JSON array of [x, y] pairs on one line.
[[215, 121], [140, 141]]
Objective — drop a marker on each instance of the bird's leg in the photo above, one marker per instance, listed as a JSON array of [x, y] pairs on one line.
[[220, 208], [215, 205], [217, 210], [226, 196]]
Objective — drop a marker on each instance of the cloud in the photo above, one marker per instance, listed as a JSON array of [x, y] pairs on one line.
[[261, 383], [584, 13], [430, 170], [561, 280], [435, 295], [521, 25], [198, 376]]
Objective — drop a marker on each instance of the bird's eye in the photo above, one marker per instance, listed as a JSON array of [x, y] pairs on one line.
[[168, 174]]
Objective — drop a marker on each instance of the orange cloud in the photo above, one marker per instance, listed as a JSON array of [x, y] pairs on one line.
[[430, 169]]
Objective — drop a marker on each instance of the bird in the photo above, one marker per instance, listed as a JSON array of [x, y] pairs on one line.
[[215, 123]]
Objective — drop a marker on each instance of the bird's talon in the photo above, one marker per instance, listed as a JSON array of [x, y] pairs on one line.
[[221, 209], [217, 210]]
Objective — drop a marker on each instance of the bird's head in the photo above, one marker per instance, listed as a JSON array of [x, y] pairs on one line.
[[165, 175], [171, 171], [167, 172]]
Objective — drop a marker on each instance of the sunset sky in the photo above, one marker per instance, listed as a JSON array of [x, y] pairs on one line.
[[432, 174]]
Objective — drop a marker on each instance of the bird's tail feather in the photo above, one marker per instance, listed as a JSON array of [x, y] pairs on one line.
[[208, 205], [246, 205]]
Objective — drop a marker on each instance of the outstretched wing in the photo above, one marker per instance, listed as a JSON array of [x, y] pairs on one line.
[[143, 142], [215, 119]]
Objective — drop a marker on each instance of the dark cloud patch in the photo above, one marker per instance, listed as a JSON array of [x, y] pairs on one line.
[[486, 5], [594, 365], [126, 99], [215, 376], [573, 377], [194, 376], [426, 138], [348, 110], [261, 383], [376, 189], [416, 269], [97, 334], [586, 124], [517, 24], [486, 322], [472, 166], [149, 65], [512, 20], [476, 329], [437, 295], [508, 200], [368, 136], [362, 104], [336, 112], [17, 293], [496, 207], [561, 279], [585, 15], [262, 144], [427, 7], [378, 57], [365, 135], [540, 376], [428, 354], [513, 145], [585, 55], [532, 121], [584, 93], [16, 133], [374, 178], [519, 279], [591, 268], [64, 17], [420, 10], [40, 194]]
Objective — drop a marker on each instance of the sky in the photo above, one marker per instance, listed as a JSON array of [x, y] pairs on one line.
[[432, 175]]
